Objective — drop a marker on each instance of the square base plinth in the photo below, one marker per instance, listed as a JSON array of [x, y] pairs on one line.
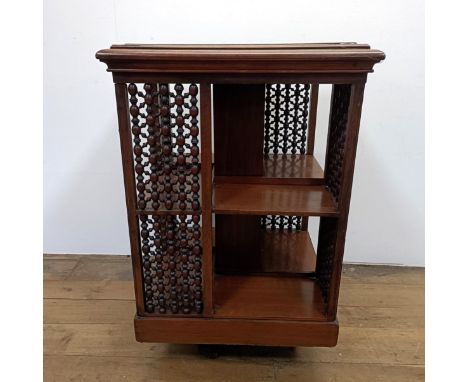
[[235, 331]]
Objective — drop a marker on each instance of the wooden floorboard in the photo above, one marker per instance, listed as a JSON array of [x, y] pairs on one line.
[[88, 331]]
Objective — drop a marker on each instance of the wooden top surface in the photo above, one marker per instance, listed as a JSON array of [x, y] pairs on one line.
[[321, 45], [242, 58]]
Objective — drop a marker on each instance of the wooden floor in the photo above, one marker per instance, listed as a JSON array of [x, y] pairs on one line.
[[88, 332]]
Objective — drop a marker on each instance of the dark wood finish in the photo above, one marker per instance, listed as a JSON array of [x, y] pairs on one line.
[[314, 93], [281, 252], [166, 146], [130, 197], [166, 153], [352, 127], [207, 236], [264, 297], [313, 107], [269, 287], [322, 45], [286, 111], [303, 169], [261, 199], [283, 169], [238, 123], [275, 59], [246, 230], [239, 78], [236, 155], [287, 107], [236, 331]]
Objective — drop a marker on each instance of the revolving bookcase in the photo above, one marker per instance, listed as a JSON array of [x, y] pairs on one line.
[[217, 146]]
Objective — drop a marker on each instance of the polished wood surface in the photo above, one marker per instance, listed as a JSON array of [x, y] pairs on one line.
[[344, 197], [260, 104], [88, 332], [245, 331], [314, 58], [207, 231], [283, 169], [313, 108], [280, 252], [265, 297], [238, 129], [260, 199], [246, 247], [130, 197], [324, 45]]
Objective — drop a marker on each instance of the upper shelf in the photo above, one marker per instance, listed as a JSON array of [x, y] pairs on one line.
[[274, 58], [283, 169]]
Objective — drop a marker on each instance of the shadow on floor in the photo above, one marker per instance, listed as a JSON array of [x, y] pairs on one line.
[[215, 351]]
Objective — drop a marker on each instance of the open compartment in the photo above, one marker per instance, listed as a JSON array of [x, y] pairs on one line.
[[266, 185], [265, 267]]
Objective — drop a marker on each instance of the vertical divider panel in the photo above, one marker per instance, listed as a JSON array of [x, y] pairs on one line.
[[207, 183], [314, 93], [121, 97]]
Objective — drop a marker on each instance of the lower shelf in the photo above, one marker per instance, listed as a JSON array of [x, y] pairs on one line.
[[235, 331], [268, 297], [280, 252]]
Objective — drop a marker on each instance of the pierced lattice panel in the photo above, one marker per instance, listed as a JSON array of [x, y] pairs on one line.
[[281, 222], [337, 139], [286, 114], [172, 263], [165, 128], [326, 254]]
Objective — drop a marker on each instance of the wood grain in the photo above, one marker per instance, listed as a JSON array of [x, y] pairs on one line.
[[245, 331], [207, 196], [72, 311], [248, 117], [88, 333], [325, 45], [279, 252], [130, 197], [251, 297], [260, 199], [283, 169], [238, 120], [312, 58], [359, 345]]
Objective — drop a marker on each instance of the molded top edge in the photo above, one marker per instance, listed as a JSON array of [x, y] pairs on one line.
[[314, 57], [320, 45]]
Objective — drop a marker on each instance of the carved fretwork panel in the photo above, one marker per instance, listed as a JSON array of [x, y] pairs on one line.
[[165, 128], [281, 222], [337, 139], [326, 254], [286, 113], [172, 263]]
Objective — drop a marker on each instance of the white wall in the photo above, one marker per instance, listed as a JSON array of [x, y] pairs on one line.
[[84, 205]]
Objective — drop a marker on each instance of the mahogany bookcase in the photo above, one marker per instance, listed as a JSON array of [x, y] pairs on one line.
[[217, 147]]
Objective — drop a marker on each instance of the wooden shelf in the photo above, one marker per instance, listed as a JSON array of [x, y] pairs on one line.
[[262, 199], [283, 169], [265, 297], [281, 252]]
